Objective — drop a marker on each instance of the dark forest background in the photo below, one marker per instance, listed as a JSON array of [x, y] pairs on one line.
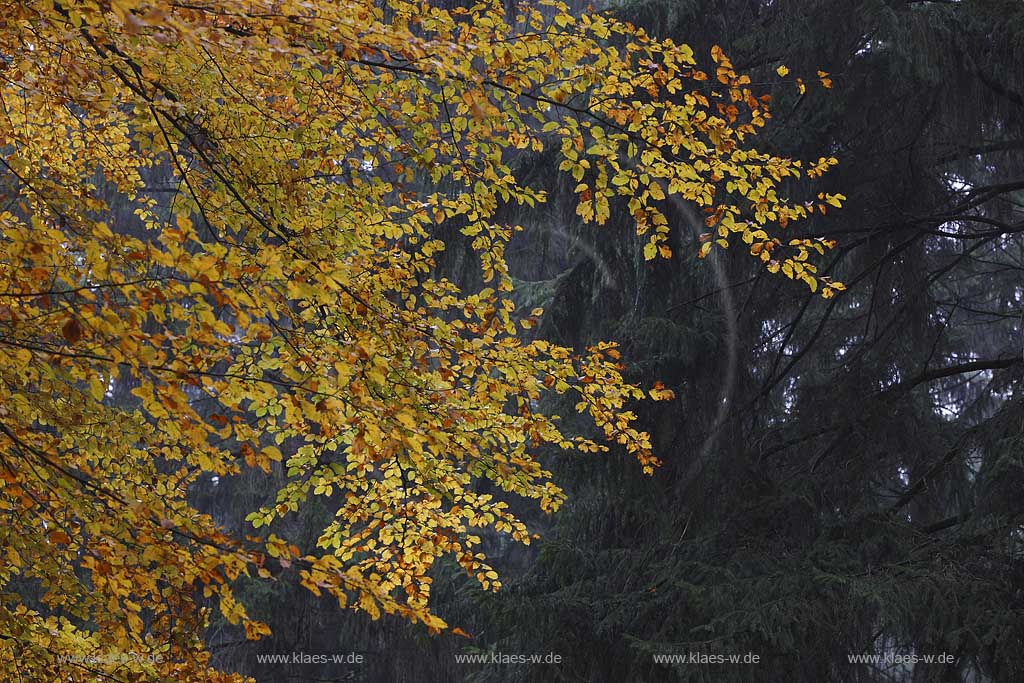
[[840, 476]]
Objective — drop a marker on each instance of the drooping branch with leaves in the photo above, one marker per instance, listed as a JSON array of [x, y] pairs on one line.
[[271, 293]]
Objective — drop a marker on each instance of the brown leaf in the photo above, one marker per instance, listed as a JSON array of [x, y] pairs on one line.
[[72, 331], [56, 536]]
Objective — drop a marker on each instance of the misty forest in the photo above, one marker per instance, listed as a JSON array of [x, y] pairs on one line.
[[425, 340]]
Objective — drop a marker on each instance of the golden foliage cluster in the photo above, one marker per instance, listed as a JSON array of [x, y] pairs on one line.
[[278, 305]]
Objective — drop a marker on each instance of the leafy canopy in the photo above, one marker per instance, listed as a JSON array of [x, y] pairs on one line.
[[273, 296]]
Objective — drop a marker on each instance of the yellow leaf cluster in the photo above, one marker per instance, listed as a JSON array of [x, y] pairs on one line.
[[269, 298]]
